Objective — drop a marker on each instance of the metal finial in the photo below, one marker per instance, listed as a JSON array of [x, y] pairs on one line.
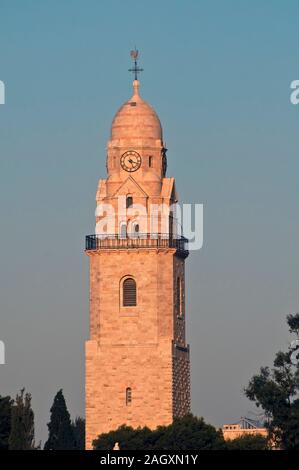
[[135, 69]]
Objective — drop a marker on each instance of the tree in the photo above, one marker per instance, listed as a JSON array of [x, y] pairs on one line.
[[190, 432], [127, 437], [78, 427], [248, 442], [276, 391], [5, 421], [22, 423], [187, 433], [61, 436]]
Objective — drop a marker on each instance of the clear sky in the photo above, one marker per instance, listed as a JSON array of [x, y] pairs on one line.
[[218, 74]]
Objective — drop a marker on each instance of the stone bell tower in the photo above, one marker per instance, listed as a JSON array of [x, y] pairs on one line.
[[137, 360]]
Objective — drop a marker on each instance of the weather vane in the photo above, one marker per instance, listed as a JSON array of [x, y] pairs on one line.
[[135, 69]]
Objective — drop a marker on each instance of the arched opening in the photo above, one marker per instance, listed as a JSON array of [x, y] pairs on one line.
[[135, 229], [129, 292], [129, 202], [123, 230]]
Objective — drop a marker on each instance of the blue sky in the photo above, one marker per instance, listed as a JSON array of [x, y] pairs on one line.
[[218, 74]]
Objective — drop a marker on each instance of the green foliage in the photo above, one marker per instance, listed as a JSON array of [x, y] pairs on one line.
[[127, 437], [293, 322], [5, 421], [248, 442], [78, 427], [22, 423], [61, 436], [276, 390], [187, 433]]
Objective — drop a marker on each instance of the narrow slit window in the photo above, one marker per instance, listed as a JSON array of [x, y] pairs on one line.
[[178, 296], [128, 396], [150, 161]]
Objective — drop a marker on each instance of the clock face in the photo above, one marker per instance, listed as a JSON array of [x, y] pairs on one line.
[[130, 161]]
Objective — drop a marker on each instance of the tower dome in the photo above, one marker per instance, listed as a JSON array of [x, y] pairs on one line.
[[136, 119]]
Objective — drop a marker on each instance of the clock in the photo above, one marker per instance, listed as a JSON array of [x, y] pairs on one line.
[[130, 161]]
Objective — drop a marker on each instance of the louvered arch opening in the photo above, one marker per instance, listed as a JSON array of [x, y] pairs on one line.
[[129, 292], [128, 396]]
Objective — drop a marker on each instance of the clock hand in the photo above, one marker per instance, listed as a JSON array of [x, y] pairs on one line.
[[132, 162]]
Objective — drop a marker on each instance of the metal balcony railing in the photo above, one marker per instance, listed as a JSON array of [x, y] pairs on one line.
[[138, 240]]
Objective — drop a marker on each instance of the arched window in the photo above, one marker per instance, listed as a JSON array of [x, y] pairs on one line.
[[133, 228], [129, 292], [128, 396], [123, 230], [136, 227], [150, 161], [129, 202]]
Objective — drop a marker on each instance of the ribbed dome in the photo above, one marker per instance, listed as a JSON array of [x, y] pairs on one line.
[[136, 119]]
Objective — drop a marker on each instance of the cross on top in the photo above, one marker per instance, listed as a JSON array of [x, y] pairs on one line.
[[135, 69]]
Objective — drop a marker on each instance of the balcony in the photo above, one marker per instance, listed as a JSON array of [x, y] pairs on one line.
[[137, 241]]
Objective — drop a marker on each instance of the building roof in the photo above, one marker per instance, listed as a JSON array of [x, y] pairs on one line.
[[247, 423], [136, 119]]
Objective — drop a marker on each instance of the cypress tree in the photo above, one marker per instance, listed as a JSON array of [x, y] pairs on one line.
[[5, 421], [22, 423], [61, 436], [78, 427]]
